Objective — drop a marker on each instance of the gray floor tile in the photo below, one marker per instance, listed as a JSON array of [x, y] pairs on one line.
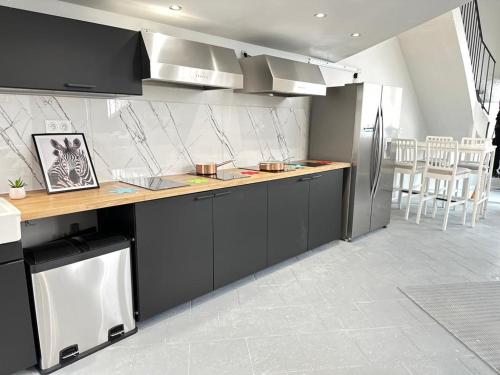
[[277, 354], [383, 346], [229, 357], [331, 349]]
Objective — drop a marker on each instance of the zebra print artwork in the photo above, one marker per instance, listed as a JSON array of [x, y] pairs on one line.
[[65, 162]]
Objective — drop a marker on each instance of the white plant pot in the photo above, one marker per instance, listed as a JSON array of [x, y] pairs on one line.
[[17, 193]]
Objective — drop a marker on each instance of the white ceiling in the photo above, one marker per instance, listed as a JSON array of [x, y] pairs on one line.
[[289, 24], [489, 11]]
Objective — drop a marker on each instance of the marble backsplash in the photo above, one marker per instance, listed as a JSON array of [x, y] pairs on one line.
[[152, 137]]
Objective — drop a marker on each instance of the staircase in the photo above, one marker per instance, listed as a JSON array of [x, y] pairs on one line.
[[483, 62]]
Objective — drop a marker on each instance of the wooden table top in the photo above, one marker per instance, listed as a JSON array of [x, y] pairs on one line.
[[38, 204], [465, 148]]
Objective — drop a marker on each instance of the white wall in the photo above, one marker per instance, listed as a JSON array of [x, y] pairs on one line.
[[489, 11], [385, 64], [442, 76]]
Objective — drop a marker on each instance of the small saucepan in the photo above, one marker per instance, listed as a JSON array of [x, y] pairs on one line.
[[206, 169]]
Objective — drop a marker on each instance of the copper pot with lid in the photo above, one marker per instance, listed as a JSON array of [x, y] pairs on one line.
[[206, 169]]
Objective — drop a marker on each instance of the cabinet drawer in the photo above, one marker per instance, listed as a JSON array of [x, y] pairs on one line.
[[11, 251]]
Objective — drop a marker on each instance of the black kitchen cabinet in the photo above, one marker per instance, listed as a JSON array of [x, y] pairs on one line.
[[288, 217], [54, 53], [304, 213], [189, 245], [174, 251], [240, 232], [17, 347], [325, 208]]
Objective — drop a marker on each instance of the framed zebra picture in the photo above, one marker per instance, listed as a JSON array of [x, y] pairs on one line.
[[65, 162]]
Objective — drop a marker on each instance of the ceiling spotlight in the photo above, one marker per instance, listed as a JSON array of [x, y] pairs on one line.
[[320, 15], [355, 35], [175, 7]]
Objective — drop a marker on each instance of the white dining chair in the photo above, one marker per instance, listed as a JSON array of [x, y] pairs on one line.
[[476, 157], [441, 164], [407, 164]]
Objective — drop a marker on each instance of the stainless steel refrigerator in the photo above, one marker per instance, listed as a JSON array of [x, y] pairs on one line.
[[354, 123]]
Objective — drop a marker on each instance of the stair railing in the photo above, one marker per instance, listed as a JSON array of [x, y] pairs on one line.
[[483, 62]]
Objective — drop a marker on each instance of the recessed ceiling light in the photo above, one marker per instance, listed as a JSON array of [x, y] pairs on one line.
[[320, 15], [175, 7], [355, 35]]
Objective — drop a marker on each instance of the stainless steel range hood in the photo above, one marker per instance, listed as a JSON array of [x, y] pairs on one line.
[[274, 75], [184, 62]]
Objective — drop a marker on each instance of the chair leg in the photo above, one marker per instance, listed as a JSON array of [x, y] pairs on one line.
[[427, 183], [487, 192], [423, 191], [448, 204], [437, 186], [477, 196], [465, 197], [400, 193], [410, 194]]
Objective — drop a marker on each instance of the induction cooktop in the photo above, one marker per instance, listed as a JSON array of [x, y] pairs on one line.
[[318, 163], [153, 183], [223, 175], [288, 168]]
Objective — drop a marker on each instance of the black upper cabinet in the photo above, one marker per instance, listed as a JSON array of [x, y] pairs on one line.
[[325, 208], [240, 232], [174, 247], [17, 345], [288, 211], [44, 52]]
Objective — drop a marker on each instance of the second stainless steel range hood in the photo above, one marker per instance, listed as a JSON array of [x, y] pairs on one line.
[[278, 76], [184, 62]]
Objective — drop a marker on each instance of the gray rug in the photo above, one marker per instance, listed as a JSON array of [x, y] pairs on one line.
[[470, 311]]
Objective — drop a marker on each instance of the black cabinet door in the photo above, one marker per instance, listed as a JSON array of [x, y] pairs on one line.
[[17, 347], [240, 232], [174, 251], [288, 213], [55, 53], [325, 208]]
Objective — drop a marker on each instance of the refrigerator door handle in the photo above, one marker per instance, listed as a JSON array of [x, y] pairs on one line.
[[373, 163], [380, 148]]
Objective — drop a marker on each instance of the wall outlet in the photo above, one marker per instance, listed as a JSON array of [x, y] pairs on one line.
[[58, 126]]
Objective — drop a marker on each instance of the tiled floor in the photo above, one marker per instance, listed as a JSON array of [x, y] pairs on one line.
[[336, 310]]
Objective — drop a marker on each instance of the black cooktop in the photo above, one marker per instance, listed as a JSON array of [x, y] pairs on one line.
[[311, 163], [288, 168], [153, 183]]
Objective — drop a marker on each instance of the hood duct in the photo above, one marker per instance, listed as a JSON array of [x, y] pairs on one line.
[[184, 62], [274, 75]]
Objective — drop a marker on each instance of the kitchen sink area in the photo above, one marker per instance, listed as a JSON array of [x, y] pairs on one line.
[[10, 222]]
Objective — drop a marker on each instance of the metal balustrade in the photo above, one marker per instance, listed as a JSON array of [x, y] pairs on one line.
[[483, 62]]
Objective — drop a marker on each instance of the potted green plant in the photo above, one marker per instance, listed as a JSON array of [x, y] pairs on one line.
[[17, 190]]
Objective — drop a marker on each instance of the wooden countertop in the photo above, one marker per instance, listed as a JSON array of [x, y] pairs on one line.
[[38, 204]]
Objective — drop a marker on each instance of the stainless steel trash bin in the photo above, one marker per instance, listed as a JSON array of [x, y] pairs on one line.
[[82, 293]]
